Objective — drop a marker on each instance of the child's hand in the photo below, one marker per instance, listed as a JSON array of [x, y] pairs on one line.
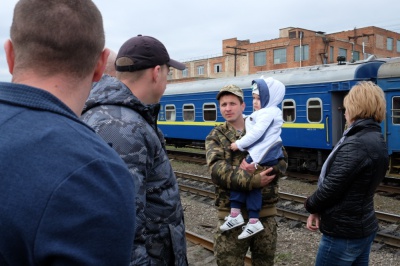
[[234, 147]]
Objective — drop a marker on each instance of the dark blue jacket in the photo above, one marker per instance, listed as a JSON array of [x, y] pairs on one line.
[[66, 197]]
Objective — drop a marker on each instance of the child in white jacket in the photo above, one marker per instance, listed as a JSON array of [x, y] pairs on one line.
[[264, 144]]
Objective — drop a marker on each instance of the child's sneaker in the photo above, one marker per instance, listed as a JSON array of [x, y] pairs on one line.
[[251, 229], [232, 222]]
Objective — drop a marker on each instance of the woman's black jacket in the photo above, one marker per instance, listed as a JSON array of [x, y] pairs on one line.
[[344, 200]]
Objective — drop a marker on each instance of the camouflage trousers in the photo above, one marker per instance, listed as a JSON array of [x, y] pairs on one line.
[[229, 250]]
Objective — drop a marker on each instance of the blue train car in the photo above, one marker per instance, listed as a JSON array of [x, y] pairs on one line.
[[389, 81], [312, 108]]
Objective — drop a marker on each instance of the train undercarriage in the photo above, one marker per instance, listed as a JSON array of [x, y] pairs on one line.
[[299, 160], [306, 160]]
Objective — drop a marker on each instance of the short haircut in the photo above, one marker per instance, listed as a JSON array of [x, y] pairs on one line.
[[57, 36], [365, 100], [131, 76], [135, 75], [229, 93]]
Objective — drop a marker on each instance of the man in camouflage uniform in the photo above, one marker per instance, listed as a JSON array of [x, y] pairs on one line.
[[224, 165], [124, 112]]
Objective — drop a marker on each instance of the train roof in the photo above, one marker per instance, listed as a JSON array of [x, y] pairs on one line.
[[294, 76], [390, 69]]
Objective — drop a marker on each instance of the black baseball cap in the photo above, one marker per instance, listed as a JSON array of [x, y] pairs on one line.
[[143, 52]]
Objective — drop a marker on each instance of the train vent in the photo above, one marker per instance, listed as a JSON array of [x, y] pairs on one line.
[[345, 86], [335, 86]]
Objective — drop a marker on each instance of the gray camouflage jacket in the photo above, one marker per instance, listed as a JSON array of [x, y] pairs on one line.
[[226, 174], [131, 129]]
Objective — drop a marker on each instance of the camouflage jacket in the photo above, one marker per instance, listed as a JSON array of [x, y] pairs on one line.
[[131, 129], [226, 174]]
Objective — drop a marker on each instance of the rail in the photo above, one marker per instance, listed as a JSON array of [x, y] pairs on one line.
[[196, 157], [208, 244], [383, 236]]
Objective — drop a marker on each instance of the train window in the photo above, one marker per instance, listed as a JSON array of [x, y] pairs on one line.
[[314, 110], [398, 46], [396, 110], [260, 58], [170, 112], [210, 112], [289, 110], [188, 112]]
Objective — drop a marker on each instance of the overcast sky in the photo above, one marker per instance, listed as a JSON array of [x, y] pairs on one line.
[[195, 29]]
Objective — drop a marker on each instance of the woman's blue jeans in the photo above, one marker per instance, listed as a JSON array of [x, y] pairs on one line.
[[335, 251]]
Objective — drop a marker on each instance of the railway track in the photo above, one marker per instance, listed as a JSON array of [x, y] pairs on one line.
[[208, 244], [390, 185], [291, 207]]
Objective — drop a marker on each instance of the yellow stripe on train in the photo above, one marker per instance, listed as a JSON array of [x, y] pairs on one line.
[[285, 125]]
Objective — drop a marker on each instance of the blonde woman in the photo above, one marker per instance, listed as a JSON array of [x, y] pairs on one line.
[[342, 207]]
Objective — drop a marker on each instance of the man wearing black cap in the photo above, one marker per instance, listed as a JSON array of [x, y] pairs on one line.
[[124, 112]]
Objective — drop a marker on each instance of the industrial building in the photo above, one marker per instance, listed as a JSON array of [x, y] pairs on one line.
[[295, 47]]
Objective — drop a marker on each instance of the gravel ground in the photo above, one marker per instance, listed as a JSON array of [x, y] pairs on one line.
[[296, 245]]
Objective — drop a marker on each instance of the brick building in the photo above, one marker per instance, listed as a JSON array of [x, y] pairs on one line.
[[295, 47]]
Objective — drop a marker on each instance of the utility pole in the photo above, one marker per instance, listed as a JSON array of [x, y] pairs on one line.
[[355, 37], [236, 54]]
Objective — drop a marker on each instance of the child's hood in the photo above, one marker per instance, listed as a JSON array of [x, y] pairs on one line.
[[271, 91]]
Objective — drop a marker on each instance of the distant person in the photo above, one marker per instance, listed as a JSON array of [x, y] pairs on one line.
[[229, 171], [264, 144], [124, 112], [342, 207], [66, 196], [110, 66], [109, 71]]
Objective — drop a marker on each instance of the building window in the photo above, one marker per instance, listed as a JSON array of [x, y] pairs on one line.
[[170, 72], [188, 112], [331, 50], [304, 53], [200, 70], [280, 56], [170, 112], [356, 55], [398, 46], [389, 44], [289, 110], [343, 52], [396, 110], [314, 110], [260, 58], [217, 68], [210, 112], [185, 73]]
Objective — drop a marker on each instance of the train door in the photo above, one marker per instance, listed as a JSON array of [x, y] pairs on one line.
[[338, 119], [391, 130], [393, 121]]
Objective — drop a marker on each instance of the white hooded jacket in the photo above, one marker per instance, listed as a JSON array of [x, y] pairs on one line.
[[263, 127]]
